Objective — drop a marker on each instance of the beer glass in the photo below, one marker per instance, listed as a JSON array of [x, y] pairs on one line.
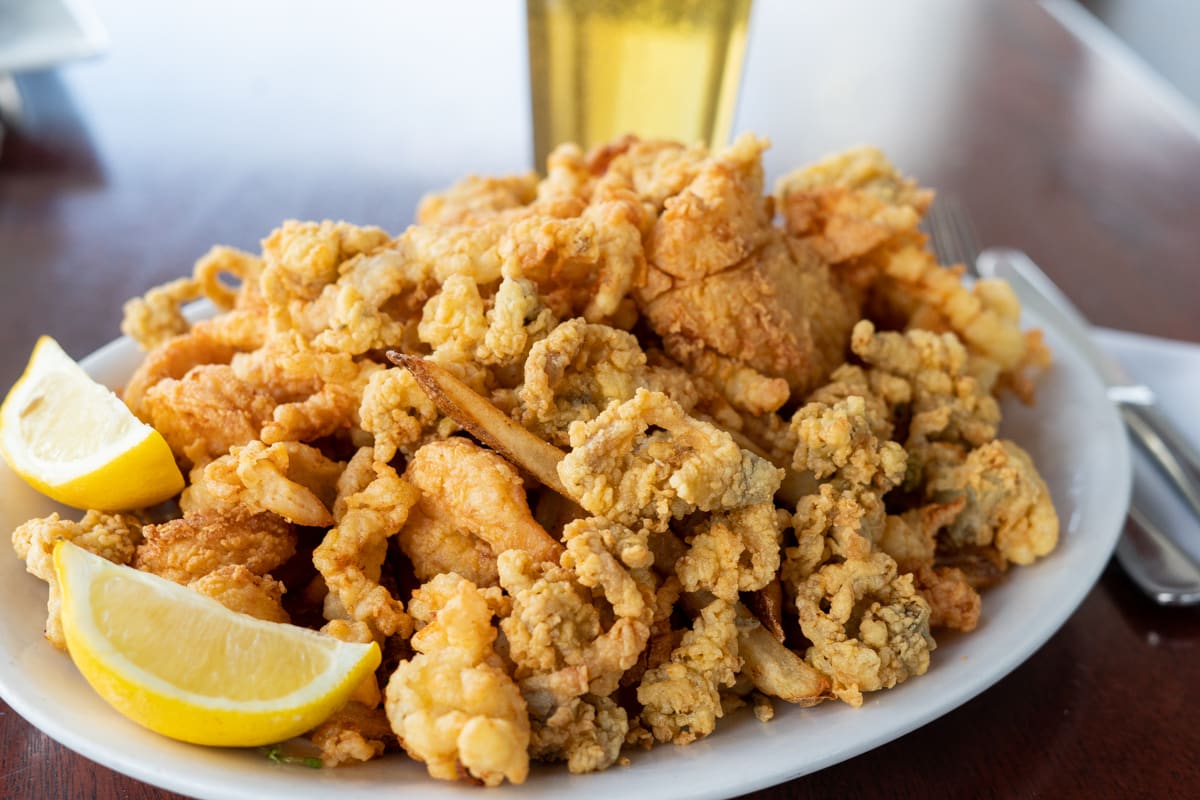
[[656, 68]]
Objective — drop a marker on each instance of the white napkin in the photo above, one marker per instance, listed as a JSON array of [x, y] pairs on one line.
[[1172, 369]]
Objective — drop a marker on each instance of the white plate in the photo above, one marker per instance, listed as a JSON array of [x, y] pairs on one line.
[[1080, 448]]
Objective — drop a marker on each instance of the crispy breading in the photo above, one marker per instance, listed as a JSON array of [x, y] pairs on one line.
[[574, 373], [475, 197], [724, 278], [452, 705], [953, 602], [111, 536], [202, 541], [350, 557], [479, 493], [396, 412], [586, 732], [557, 632], [1008, 505], [868, 626], [238, 589], [911, 537], [947, 405], [680, 698], [293, 480], [732, 551], [206, 412], [158, 316], [850, 202], [645, 461], [352, 734]]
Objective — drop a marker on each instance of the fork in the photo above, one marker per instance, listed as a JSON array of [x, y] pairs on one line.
[[1146, 552]]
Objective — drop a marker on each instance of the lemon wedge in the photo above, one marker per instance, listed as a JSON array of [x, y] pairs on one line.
[[183, 665], [75, 441]]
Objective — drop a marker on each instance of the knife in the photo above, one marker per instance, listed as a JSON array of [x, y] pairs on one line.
[[1169, 449]]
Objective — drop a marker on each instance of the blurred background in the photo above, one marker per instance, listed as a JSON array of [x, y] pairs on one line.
[[1162, 32], [219, 119]]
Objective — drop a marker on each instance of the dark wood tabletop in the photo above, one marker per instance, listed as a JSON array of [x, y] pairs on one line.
[[212, 122]]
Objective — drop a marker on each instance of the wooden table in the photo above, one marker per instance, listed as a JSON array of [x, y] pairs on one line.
[[212, 122]]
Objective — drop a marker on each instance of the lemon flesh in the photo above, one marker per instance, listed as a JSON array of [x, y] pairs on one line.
[[186, 667], [75, 441]]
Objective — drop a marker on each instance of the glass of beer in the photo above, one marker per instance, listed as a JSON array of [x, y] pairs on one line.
[[655, 68]]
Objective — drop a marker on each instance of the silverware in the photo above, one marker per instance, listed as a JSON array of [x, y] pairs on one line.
[[1165, 445], [1147, 553], [1156, 564]]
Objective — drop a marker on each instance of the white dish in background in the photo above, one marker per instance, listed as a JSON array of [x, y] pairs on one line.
[[1073, 433], [35, 34]]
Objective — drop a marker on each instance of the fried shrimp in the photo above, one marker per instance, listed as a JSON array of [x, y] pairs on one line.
[[479, 493], [290, 479]]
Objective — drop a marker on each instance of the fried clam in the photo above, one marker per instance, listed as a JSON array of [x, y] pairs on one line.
[[111, 536], [646, 461], [868, 625], [291, 479], [567, 662], [452, 705]]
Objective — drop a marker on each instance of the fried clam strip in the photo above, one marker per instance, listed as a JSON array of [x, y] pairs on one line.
[[294, 480], [732, 551], [949, 412], [850, 202], [846, 515], [681, 700], [584, 265], [913, 287], [458, 324], [317, 392], [358, 731], [158, 315], [350, 557], [772, 668], [111, 536], [452, 705], [573, 374]]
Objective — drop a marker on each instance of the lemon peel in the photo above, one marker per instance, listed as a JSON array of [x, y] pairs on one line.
[[73, 440], [186, 667]]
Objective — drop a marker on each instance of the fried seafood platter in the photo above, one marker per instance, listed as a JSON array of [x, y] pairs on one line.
[[597, 458]]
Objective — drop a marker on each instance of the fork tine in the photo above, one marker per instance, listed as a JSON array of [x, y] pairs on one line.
[[951, 232]]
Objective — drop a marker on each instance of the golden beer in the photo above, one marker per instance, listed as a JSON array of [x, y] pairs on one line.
[[656, 68]]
